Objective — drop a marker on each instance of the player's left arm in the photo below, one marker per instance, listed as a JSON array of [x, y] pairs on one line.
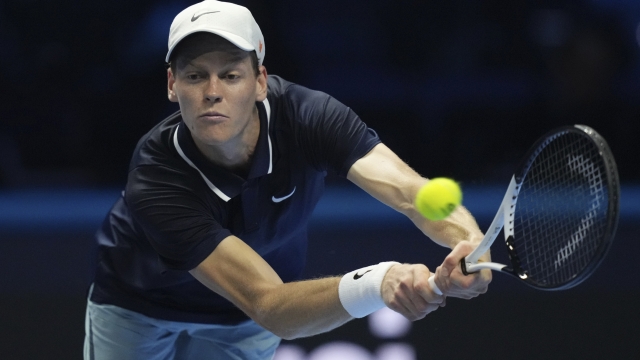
[[383, 175]]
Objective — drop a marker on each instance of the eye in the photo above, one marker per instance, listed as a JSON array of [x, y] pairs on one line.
[[193, 77], [232, 76]]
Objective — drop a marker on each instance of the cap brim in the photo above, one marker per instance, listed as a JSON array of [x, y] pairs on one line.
[[234, 39]]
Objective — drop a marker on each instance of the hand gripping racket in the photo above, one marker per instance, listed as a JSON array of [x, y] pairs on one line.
[[559, 214]]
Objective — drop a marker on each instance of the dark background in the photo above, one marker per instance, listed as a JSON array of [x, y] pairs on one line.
[[457, 88]]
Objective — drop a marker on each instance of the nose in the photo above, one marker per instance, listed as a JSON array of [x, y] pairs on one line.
[[212, 92]]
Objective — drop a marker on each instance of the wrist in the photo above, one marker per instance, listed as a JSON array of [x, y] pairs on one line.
[[360, 290]]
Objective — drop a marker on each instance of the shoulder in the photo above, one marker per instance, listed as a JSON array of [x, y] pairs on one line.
[[155, 147], [282, 89], [156, 163], [297, 101]]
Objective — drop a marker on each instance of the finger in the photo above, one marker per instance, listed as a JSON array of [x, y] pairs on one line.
[[428, 310], [452, 261], [431, 308], [478, 281], [461, 250], [462, 281], [442, 279], [458, 285], [421, 289], [481, 284], [417, 298], [403, 305], [467, 286], [423, 297]]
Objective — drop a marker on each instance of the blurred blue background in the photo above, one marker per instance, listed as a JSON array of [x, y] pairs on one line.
[[457, 88]]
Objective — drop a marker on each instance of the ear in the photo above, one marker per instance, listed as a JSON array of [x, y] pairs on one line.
[[261, 84], [171, 81]]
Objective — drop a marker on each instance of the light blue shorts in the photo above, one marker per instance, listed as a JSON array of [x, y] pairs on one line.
[[114, 333]]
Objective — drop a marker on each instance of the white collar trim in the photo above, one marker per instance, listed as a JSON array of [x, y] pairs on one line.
[[214, 188]]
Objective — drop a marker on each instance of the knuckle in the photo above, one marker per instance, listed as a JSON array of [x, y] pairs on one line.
[[465, 283], [430, 310], [422, 308], [403, 286], [421, 268], [451, 260], [394, 305], [421, 286]]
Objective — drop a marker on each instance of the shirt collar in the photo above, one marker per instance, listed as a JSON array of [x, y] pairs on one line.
[[221, 181]]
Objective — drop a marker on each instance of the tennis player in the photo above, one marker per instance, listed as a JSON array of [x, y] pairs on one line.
[[202, 255]]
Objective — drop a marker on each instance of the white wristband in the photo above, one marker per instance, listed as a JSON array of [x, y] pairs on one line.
[[360, 292]]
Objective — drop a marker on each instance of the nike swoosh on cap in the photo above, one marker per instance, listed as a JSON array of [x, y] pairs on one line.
[[277, 200], [194, 17]]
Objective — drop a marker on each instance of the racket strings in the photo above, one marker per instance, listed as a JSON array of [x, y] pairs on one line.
[[561, 212]]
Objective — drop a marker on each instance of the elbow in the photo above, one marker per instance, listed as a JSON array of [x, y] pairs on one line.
[[287, 335], [269, 317], [267, 320]]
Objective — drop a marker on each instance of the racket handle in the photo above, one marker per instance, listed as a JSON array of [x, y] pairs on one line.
[[433, 285]]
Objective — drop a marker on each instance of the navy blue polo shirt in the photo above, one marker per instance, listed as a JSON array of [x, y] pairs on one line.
[[177, 206]]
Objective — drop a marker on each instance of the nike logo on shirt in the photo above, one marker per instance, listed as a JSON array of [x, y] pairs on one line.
[[194, 17], [277, 200]]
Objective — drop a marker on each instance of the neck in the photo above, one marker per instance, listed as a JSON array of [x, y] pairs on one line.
[[236, 154]]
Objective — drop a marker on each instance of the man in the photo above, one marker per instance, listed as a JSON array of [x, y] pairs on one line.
[[200, 257]]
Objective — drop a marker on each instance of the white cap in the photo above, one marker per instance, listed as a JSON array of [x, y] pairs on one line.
[[232, 22]]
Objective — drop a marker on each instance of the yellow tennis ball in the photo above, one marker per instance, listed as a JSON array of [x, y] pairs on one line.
[[438, 198]]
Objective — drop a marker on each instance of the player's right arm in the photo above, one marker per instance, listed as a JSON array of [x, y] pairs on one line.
[[303, 308], [382, 174]]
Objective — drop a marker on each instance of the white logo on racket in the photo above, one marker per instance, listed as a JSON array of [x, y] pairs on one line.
[[592, 173]]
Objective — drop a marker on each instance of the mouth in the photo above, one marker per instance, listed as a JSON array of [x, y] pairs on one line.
[[213, 116]]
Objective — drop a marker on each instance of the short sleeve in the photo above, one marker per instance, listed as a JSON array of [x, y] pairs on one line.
[[329, 133], [182, 227]]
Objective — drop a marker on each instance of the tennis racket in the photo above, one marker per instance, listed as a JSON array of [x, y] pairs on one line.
[[559, 214]]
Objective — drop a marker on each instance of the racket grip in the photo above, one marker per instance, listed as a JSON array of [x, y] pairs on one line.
[[433, 285]]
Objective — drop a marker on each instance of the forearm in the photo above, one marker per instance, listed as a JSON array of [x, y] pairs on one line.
[[288, 310], [387, 178], [458, 226], [301, 309]]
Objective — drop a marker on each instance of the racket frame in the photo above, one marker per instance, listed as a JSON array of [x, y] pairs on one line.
[[506, 212], [504, 216]]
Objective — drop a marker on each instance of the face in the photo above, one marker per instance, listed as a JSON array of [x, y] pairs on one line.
[[217, 92]]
